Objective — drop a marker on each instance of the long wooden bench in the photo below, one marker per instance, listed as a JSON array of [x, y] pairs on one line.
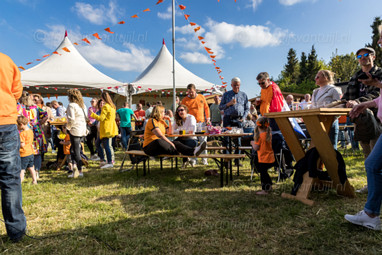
[[218, 158]]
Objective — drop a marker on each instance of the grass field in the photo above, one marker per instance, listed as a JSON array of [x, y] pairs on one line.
[[184, 212]]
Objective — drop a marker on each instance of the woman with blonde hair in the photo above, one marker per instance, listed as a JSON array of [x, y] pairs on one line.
[[108, 127], [156, 143], [76, 127], [326, 94]]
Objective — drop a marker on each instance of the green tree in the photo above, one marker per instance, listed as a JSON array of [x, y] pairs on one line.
[[344, 66], [291, 69], [378, 51], [313, 65], [303, 68]]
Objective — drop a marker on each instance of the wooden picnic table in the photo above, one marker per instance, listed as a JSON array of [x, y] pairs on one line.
[[318, 122]]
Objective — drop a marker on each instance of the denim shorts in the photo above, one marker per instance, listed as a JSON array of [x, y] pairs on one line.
[[27, 162]]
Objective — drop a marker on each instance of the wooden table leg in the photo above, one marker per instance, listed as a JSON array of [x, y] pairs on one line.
[[298, 153]]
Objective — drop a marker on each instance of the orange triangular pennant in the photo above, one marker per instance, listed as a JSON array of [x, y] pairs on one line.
[[186, 16], [21, 67], [196, 29], [108, 30], [203, 42], [212, 56], [97, 36], [86, 40], [207, 49], [146, 10], [47, 55], [192, 23], [75, 43], [135, 16], [182, 7], [121, 22], [200, 38], [65, 49], [160, 1]]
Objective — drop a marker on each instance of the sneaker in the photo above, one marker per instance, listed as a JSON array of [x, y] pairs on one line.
[[184, 166], [102, 163], [107, 166], [81, 175], [199, 149], [262, 192], [53, 151], [205, 162], [94, 157], [71, 175], [365, 220], [75, 172], [37, 175], [363, 190]]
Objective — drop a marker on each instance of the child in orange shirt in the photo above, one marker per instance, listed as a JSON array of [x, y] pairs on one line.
[[263, 145], [26, 148]]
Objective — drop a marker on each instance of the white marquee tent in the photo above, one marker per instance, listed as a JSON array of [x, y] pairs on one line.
[[65, 70], [158, 75]]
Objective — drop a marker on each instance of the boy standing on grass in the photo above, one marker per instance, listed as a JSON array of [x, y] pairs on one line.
[[26, 148], [66, 145]]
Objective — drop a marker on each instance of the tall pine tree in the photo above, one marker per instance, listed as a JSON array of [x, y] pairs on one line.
[[312, 65], [378, 51], [291, 69], [303, 69]]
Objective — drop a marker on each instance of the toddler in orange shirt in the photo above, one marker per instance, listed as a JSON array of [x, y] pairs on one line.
[[26, 148], [263, 145], [66, 144]]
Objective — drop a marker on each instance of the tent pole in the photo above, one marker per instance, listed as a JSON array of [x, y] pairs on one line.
[[173, 57]]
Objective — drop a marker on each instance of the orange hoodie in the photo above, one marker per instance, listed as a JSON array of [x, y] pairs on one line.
[[10, 90]]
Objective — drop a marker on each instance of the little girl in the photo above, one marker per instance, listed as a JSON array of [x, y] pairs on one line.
[[263, 145]]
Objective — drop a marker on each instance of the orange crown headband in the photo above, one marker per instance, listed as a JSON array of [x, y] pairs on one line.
[[266, 124]]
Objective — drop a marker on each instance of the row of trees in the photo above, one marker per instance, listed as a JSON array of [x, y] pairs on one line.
[[298, 74]]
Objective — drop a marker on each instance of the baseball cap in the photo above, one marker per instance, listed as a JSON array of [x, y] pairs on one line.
[[369, 49]]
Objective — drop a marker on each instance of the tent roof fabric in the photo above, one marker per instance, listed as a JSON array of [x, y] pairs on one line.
[[158, 75], [67, 69]]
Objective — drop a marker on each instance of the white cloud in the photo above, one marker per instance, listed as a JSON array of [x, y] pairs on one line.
[[168, 13], [187, 29], [97, 15], [195, 58], [255, 3], [130, 58], [293, 2]]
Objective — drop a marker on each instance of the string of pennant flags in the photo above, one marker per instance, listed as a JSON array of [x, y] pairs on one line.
[[97, 36]]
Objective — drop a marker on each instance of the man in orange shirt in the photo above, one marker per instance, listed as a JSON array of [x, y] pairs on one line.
[[198, 107], [11, 194]]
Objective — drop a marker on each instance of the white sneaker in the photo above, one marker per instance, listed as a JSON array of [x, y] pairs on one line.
[[199, 149], [205, 162], [75, 172], [71, 175], [107, 166], [101, 164], [37, 175], [94, 157], [362, 219], [81, 175], [363, 190]]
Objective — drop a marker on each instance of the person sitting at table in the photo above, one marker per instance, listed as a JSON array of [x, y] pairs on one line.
[[156, 143], [187, 122], [325, 94], [263, 145]]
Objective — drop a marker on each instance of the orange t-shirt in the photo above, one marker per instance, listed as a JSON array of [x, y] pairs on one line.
[[265, 152], [26, 137], [197, 106], [67, 147], [151, 124], [266, 99]]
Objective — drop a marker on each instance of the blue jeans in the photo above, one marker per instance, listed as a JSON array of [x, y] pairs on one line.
[[37, 162], [106, 145], [373, 165], [11, 194], [333, 134], [125, 135]]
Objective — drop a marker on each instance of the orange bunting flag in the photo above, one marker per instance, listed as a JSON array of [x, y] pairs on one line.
[[55, 52], [203, 42], [182, 7], [146, 10], [38, 59], [121, 22], [200, 38], [135, 16], [196, 29], [186, 16], [21, 67], [207, 49], [97, 36], [219, 71], [29, 63], [108, 30], [224, 82], [86, 40], [160, 1], [75, 43], [66, 49], [192, 23], [47, 55], [48, 95], [212, 56], [217, 68]]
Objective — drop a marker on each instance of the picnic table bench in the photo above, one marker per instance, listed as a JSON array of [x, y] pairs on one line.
[[218, 158]]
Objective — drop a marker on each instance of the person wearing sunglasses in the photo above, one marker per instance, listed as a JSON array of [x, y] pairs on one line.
[[369, 217], [357, 92]]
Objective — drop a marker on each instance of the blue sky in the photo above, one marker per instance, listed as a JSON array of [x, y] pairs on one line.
[[248, 37]]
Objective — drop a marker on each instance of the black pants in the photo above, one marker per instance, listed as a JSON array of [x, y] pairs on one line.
[[162, 147], [75, 150], [228, 121], [90, 139], [266, 181]]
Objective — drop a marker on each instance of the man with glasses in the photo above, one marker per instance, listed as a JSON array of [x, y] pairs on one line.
[[235, 106], [356, 93]]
